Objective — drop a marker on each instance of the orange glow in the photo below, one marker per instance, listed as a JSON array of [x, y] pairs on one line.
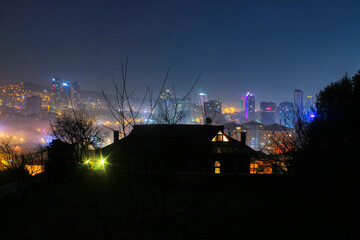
[[34, 169], [229, 110], [258, 167], [220, 137]]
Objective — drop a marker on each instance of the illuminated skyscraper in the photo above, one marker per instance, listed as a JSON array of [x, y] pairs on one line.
[[65, 93], [172, 110], [242, 104], [298, 100], [268, 112], [75, 92], [249, 106], [56, 87], [202, 98], [212, 109], [286, 110]]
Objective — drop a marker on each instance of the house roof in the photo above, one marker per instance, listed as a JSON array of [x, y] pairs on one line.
[[180, 138], [178, 132]]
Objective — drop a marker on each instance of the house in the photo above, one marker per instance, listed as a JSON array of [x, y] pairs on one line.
[[179, 149]]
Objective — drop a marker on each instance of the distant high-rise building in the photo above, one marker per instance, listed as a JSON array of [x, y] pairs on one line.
[[242, 104], [286, 111], [173, 110], [212, 108], [75, 92], [61, 92], [186, 107], [65, 93], [33, 105], [56, 87], [202, 98], [249, 106], [268, 112], [298, 100]]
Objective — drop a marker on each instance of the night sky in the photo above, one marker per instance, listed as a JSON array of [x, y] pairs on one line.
[[266, 47]]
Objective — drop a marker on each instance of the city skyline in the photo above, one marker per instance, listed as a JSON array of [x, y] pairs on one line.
[[263, 47], [56, 88]]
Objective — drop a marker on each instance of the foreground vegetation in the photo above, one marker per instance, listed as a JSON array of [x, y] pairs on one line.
[[103, 205], [6, 176]]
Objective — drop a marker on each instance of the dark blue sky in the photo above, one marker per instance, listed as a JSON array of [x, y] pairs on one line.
[[267, 47]]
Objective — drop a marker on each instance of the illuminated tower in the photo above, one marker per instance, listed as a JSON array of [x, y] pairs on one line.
[[250, 107], [212, 108], [242, 104], [56, 87], [202, 98], [286, 113], [65, 93], [298, 101], [268, 112], [75, 90]]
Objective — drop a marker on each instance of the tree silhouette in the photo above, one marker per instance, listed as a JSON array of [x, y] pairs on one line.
[[78, 129], [333, 136]]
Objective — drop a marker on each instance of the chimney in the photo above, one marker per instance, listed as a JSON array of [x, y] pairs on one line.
[[243, 137], [116, 136]]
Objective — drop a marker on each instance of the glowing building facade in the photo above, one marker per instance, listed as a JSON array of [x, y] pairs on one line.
[[298, 101], [268, 112], [202, 98], [250, 106]]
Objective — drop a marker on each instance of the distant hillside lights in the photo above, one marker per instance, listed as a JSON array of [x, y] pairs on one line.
[[13, 95]]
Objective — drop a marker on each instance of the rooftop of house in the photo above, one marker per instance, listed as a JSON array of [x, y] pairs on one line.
[[167, 138]]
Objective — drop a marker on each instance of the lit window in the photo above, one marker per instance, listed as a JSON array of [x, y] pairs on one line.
[[220, 137], [217, 166]]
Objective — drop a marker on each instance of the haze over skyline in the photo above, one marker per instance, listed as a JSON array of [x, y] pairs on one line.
[[267, 47]]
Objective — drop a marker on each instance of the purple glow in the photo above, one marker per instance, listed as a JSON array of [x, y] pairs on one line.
[[246, 107]]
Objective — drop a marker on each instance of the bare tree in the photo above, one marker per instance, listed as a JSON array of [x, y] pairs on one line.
[[169, 108], [122, 110], [78, 129], [290, 137], [23, 165], [275, 147]]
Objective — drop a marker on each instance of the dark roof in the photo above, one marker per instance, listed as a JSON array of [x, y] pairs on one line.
[[169, 138], [178, 132]]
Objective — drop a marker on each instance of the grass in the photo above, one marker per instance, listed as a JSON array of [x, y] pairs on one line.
[[99, 205]]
